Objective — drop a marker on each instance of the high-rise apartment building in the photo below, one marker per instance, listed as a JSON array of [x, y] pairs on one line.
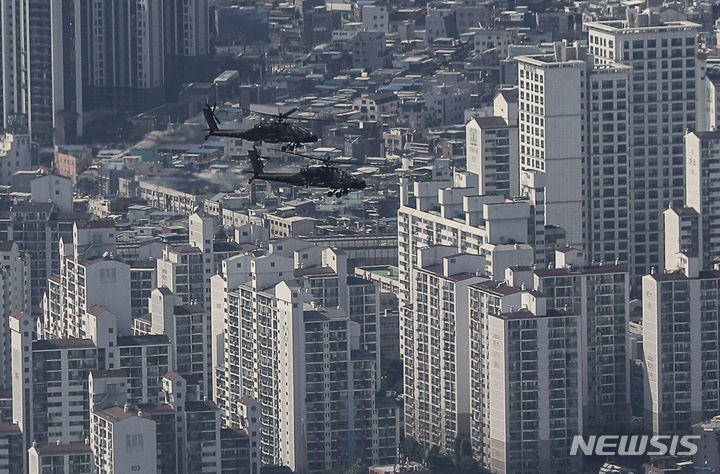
[[37, 227], [524, 380], [662, 107], [186, 269], [26, 58], [437, 394], [599, 296], [50, 384], [14, 295], [325, 381], [574, 111], [186, 28], [680, 336], [119, 54], [492, 147], [296, 359], [488, 231], [89, 275], [188, 329], [122, 441], [551, 113], [702, 193], [681, 330]]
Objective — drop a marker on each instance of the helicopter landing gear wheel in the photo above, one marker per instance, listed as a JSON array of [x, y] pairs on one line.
[[330, 193]]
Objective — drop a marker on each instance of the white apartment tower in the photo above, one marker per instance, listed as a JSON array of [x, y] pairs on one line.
[[89, 275], [662, 106], [489, 231], [325, 380], [524, 379], [600, 118], [50, 374], [14, 295], [599, 296], [680, 339], [437, 394], [552, 109], [681, 330], [122, 440], [186, 269], [300, 363], [702, 191], [492, 147], [187, 326]]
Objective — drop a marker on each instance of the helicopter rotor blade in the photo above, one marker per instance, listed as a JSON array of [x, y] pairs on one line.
[[286, 115], [302, 155], [326, 160]]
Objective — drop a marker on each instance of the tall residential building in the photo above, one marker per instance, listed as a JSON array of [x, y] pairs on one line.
[[680, 337], [187, 326], [569, 89], [488, 228], [186, 26], [122, 441], [186, 269], [681, 330], [122, 52], [325, 381], [436, 387], [50, 377], [599, 296], [702, 192], [89, 275], [524, 379], [552, 109], [56, 381], [492, 147], [268, 345], [662, 105], [119, 54], [14, 295], [26, 57], [37, 227]]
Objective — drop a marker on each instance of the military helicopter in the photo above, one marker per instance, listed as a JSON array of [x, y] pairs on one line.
[[273, 131], [321, 176]]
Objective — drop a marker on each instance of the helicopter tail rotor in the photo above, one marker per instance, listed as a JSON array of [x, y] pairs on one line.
[[211, 119]]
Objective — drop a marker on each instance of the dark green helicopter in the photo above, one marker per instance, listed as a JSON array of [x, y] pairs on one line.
[[276, 130], [325, 175]]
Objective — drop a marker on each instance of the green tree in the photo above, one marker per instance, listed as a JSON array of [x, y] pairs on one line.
[[439, 463], [411, 449], [360, 467]]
